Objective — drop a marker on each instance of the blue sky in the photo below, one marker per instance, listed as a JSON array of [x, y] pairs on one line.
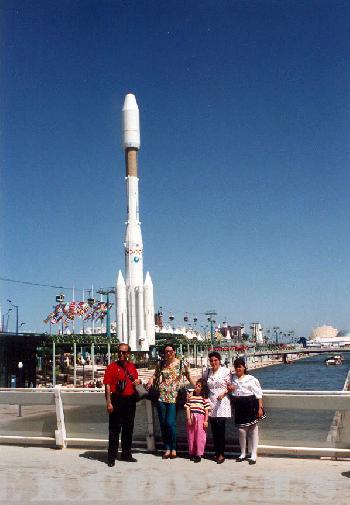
[[244, 164]]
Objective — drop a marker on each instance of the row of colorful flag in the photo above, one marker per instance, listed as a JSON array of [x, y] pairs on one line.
[[68, 311]]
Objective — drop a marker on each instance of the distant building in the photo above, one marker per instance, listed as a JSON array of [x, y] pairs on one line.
[[323, 333], [327, 336]]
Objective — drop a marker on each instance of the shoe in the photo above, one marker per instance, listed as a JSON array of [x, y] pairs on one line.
[[192, 458], [197, 459], [219, 461], [166, 455], [173, 456], [252, 461], [239, 459], [128, 458], [111, 463]]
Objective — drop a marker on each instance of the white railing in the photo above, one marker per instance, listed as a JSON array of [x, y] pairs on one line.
[[78, 417]]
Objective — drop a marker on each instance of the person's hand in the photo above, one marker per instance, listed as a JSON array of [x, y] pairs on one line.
[[221, 396], [109, 407], [137, 382], [205, 425], [260, 412], [189, 421], [186, 369], [231, 388]]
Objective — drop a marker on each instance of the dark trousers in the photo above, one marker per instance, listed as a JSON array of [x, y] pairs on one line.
[[121, 420], [218, 425]]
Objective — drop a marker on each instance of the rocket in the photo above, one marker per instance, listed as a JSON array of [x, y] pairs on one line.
[[134, 295]]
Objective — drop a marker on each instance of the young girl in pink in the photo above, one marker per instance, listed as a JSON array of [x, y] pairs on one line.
[[197, 412]]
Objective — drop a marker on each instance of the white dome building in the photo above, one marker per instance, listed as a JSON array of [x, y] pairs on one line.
[[327, 336], [323, 333]]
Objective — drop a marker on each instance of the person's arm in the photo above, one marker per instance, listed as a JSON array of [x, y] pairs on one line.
[[188, 414], [206, 417], [135, 374], [108, 398], [227, 383], [188, 375], [152, 378], [257, 391]]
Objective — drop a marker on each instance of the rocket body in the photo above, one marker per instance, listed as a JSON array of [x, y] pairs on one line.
[[134, 296]]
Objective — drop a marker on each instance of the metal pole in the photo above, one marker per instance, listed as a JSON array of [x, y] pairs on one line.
[[93, 322], [108, 329], [93, 361], [109, 352], [53, 364], [75, 364], [16, 319], [73, 296]]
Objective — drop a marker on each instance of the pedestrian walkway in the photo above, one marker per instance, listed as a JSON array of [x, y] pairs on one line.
[[42, 476]]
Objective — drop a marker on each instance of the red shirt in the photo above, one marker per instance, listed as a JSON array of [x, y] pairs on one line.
[[115, 372]]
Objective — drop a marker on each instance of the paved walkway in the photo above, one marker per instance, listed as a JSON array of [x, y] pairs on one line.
[[36, 475]]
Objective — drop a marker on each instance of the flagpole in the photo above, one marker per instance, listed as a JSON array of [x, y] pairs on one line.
[[74, 310], [93, 322]]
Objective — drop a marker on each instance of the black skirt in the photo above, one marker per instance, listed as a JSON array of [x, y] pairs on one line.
[[246, 410]]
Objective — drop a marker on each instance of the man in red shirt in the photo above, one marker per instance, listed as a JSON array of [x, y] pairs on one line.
[[120, 380]]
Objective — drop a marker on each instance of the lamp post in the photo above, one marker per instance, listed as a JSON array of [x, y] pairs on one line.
[[83, 363], [210, 316], [7, 322], [16, 307], [107, 292], [275, 329]]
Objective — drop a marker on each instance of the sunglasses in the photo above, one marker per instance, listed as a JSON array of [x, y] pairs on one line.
[[123, 352], [168, 351]]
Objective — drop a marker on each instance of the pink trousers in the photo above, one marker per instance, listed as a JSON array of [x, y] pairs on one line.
[[196, 435]]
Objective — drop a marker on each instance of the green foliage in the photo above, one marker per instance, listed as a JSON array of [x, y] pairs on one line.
[[82, 339]]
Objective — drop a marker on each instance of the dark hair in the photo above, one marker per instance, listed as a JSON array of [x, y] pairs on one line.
[[214, 354], [169, 345], [205, 389], [240, 362]]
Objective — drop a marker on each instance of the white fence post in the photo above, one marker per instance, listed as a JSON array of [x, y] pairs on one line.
[[60, 433]]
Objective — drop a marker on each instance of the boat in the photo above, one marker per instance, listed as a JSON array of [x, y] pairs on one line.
[[339, 357], [333, 361]]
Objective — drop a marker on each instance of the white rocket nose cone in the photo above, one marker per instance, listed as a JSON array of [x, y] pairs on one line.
[[130, 102], [131, 122]]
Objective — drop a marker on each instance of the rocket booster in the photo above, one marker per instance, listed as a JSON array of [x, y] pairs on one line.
[[134, 297]]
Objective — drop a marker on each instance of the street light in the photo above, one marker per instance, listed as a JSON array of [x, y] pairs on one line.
[[16, 307], [275, 329], [107, 292], [7, 322], [83, 363], [211, 314]]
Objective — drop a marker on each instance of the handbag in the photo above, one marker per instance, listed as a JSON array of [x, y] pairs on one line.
[[141, 392], [181, 398], [182, 394], [153, 391]]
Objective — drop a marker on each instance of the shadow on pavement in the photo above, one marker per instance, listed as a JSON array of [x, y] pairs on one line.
[[346, 474], [95, 455]]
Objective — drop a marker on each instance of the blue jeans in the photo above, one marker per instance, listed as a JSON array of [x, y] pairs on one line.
[[167, 421]]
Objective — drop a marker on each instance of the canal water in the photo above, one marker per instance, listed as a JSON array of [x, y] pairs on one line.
[[308, 374]]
